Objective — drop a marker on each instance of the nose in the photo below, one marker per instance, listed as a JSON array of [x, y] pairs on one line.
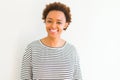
[[53, 25]]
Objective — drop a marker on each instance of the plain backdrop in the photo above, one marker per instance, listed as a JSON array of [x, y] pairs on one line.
[[95, 31]]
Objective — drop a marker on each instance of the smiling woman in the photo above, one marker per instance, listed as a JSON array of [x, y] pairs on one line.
[[55, 23], [52, 57]]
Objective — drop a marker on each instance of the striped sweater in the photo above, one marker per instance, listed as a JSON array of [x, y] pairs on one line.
[[41, 62]]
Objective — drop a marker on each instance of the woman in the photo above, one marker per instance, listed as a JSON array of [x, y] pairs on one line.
[[52, 57]]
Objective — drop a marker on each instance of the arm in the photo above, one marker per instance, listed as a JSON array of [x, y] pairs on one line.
[[77, 71], [26, 69]]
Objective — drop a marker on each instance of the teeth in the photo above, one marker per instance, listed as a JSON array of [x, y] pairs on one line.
[[53, 30]]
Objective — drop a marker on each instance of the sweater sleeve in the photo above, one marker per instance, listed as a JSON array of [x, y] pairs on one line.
[[26, 69], [77, 71]]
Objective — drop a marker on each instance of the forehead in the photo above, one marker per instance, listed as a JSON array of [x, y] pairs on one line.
[[59, 15]]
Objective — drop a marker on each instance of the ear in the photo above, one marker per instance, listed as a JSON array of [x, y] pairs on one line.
[[66, 25]]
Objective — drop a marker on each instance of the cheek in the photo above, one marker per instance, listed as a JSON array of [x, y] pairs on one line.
[[62, 26], [47, 25]]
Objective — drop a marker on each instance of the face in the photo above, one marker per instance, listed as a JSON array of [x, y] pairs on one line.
[[55, 23]]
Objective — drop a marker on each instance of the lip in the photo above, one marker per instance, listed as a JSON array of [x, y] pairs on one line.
[[53, 30]]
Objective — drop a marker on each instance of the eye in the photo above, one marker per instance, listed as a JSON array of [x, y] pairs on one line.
[[48, 21], [59, 23]]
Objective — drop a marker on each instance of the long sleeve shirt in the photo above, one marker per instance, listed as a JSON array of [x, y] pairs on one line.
[[41, 62]]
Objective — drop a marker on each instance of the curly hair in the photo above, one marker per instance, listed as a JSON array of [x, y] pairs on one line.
[[60, 7]]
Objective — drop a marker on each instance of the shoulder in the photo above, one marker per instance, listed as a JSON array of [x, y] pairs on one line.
[[33, 43], [71, 46]]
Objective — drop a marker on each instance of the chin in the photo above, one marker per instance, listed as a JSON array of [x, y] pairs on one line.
[[53, 36]]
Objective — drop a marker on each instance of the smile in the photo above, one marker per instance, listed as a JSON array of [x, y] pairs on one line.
[[53, 30]]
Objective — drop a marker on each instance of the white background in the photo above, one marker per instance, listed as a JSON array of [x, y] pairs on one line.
[[95, 31]]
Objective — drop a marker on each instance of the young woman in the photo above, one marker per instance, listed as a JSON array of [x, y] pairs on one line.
[[52, 57]]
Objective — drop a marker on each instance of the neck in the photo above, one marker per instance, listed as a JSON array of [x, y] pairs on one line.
[[53, 42]]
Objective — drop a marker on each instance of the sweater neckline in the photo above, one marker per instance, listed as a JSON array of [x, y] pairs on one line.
[[48, 47]]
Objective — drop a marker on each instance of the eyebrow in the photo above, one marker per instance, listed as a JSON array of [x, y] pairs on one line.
[[57, 19]]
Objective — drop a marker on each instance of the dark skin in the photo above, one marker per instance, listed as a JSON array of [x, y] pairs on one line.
[[55, 23]]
